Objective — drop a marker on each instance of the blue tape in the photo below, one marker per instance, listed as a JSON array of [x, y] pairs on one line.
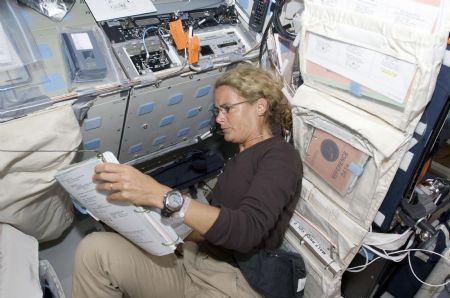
[[355, 89], [77, 206], [370, 255], [356, 170]]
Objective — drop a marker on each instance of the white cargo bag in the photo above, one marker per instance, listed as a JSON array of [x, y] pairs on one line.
[[383, 67], [19, 264], [352, 130], [30, 198]]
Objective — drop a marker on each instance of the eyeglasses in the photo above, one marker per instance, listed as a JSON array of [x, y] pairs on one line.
[[226, 108]]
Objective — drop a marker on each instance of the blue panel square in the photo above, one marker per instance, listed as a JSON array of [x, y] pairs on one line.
[[166, 120], [192, 112], [202, 91], [135, 148], [46, 52], [243, 3], [27, 17], [204, 124], [159, 140], [54, 82], [68, 17], [183, 132], [175, 99], [145, 108], [92, 123], [284, 46], [92, 144]]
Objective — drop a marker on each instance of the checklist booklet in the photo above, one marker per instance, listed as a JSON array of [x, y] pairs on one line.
[[144, 227]]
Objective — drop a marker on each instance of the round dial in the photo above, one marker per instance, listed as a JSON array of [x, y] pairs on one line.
[[174, 201], [329, 150]]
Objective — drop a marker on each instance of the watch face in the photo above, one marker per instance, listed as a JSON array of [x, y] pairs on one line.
[[174, 201]]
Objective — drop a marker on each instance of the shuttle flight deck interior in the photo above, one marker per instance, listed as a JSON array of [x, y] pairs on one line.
[[132, 82]]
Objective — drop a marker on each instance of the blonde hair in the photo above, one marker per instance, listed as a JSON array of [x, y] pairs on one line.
[[253, 83]]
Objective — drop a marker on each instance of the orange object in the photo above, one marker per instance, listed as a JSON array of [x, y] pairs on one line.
[[423, 171], [179, 36], [194, 48]]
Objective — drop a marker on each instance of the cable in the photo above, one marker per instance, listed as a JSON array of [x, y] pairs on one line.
[[257, 45], [412, 271], [264, 38], [388, 255], [361, 268], [49, 151], [277, 23], [147, 54], [366, 263]]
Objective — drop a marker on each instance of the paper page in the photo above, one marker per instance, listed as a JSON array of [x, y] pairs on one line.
[[416, 14], [123, 217], [113, 9], [325, 76], [82, 41], [384, 74], [182, 230]]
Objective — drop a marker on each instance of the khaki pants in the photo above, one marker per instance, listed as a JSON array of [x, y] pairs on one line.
[[108, 265]]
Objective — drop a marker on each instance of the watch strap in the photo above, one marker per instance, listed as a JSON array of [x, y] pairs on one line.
[[182, 213]]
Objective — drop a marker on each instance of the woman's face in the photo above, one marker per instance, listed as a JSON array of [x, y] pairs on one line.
[[240, 121]]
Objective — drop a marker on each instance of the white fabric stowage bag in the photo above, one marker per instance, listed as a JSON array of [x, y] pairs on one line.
[[349, 155], [350, 158], [30, 198], [320, 282], [19, 264], [367, 57]]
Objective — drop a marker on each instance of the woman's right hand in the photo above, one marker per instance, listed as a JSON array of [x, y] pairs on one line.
[[126, 183]]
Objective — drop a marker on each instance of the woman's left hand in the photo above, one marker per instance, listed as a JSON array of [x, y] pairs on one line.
[[125, 183]]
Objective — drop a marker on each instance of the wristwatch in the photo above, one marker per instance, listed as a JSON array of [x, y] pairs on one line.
[[173, 201]]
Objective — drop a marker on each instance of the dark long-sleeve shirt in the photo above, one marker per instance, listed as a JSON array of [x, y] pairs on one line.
[[256, 194]]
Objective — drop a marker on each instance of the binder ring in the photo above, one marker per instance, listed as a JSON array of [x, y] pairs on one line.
[[144, 210], [172, 243]]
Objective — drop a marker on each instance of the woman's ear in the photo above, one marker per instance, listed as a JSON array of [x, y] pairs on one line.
[[262, 106]]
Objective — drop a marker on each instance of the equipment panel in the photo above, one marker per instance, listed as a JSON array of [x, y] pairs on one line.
[[146, 51], [168, 116], [132, 28]]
